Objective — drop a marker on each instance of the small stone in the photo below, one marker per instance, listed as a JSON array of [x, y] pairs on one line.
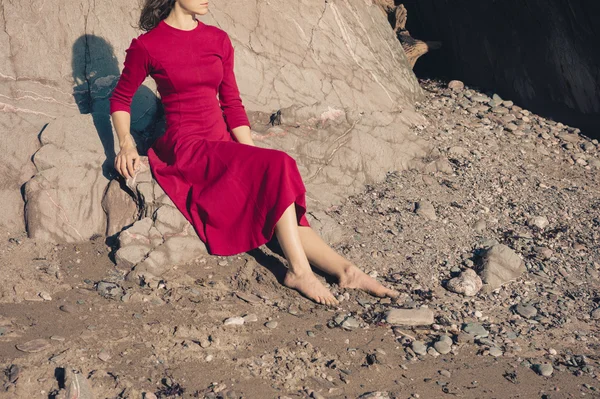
[[495, 352], [36, 345], [234, 321], [444, 345], [45, 296], [209, 358], [68, 308], [271, 324], [544, 369], [468, 283], [595, 314], [425, 209], [541, 222], [476, 330], [251, 317], [410, 317], [479, 226], [104, 356], [456, 85], [250, 298], [419, 348], [350, 323], [149, 395], [526, 311], [446, 373]]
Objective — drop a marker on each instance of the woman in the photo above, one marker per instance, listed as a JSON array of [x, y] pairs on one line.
[[236, 195]]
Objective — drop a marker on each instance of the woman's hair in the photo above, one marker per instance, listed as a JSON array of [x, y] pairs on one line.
[[153, 12]]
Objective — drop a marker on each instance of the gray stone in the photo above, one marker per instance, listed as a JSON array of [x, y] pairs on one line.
[[544, 369], [595, 314], [419, 348], [409, 317], [443, 345], [495, 352], [525, 310], [475, 329]]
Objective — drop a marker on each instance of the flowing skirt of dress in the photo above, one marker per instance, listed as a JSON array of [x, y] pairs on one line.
[[233, 194]]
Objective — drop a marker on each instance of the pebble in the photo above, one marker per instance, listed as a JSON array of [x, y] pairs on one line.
[[540, 222], [251, 317], [476, 330], [36, 345], [544, 369], [234, 321], [495, 352], [425, 209], [104, 356], [446, 373], [68, 308], [456, 85], [419, 348], [410, 317], [45, 296], [271, 324], [443, 345], [468, 283], [526, 311], [595, 314]]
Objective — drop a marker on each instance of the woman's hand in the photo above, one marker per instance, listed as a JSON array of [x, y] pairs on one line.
[[128, 159]]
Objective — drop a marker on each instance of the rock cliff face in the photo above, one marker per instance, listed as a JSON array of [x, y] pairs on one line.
[[334, 69], [542, 54]]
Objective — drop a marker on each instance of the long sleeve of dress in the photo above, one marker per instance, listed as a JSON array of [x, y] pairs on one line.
[[136, 68], [229, 94]]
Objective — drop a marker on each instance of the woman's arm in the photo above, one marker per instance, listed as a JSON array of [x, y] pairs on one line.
[[136, 68], [243, 134], [234, 111]]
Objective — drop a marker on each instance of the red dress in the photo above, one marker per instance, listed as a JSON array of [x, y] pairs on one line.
[[232, 193]]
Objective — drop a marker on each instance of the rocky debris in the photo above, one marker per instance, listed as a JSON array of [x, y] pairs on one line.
[[500, 265], [595, 314], [409, 317], [468, 283]]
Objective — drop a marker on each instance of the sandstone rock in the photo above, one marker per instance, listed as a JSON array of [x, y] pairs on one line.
[[500, 265], [468, 283], [409, 317]]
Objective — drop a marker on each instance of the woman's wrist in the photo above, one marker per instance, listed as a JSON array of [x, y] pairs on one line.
[[127, 141]]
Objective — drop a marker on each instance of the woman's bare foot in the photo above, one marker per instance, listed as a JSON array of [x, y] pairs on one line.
[[353, 277], [310, 286]]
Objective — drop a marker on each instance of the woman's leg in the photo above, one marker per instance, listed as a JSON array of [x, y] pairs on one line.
[[326, 259], [299, 276]]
